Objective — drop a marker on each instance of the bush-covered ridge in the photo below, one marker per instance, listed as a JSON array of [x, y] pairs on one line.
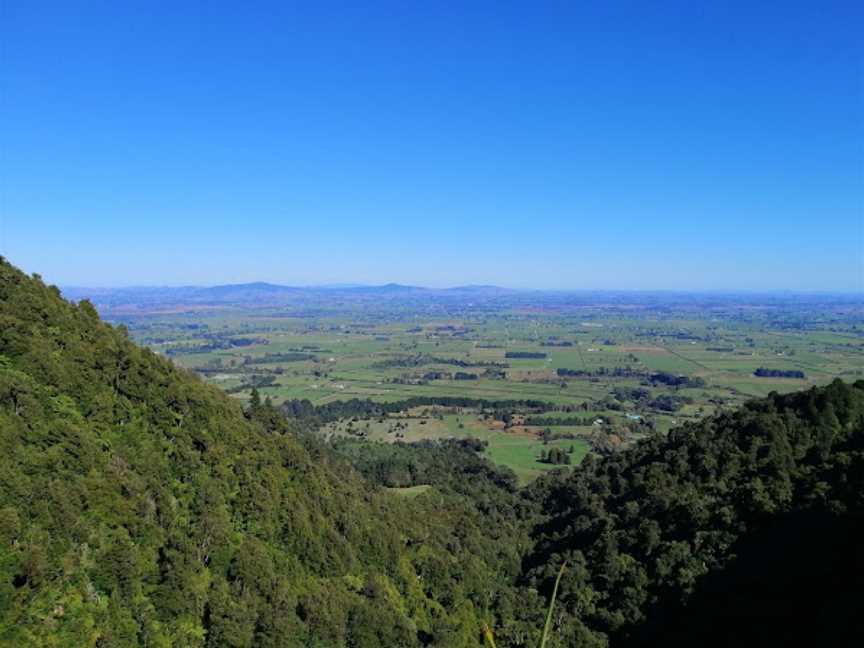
[[139, 506], [647, 531]]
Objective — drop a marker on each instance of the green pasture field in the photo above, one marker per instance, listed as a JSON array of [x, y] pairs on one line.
[[391, 358], [517, 449]]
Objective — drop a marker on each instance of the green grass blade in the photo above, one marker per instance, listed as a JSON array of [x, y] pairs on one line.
[[551, 606], [487, 632]]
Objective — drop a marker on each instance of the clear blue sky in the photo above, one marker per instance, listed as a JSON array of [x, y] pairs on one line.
[[592, 144]]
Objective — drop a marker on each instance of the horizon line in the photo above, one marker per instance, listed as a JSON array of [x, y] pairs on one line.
[[393, 284]]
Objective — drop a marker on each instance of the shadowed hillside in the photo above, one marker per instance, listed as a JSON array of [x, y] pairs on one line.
[[796, 582], [735, 530]]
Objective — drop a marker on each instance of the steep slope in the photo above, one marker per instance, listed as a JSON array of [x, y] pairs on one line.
[[742, 529], [139, 506]]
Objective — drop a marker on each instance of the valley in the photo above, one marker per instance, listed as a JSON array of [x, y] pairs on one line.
[[594, 372], [431, 325], [140, 505]]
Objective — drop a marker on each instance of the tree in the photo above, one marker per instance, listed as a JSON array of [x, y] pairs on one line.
[[254, 399]]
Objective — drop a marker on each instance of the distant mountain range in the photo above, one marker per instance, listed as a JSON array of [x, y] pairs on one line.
[[268, 294], [143, 299]]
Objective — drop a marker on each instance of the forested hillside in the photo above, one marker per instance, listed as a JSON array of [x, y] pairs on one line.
[[743, 528], [141, 507]]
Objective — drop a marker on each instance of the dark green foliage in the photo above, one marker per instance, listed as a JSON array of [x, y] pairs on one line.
[[463, 375], [561, 420], [672, 380], [422, 359], [764, 372], [795, 582], [449, 464], [669, 402], [492, 514], [291, 356], [365, 408], [648, 529], [215, 343], [602, 372], [634, 394], [139, 506], [253, 381], [556, 456]]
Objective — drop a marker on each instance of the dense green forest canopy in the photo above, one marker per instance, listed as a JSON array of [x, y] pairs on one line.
[[642, 529], [141, 507]]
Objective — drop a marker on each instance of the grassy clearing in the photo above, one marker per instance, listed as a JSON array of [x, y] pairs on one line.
[[517, 448], [409, 492]]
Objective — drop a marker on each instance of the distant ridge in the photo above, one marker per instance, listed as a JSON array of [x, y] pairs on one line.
[[481, 289], [264, 285], [260, 292], [445, 301], [388, 288]]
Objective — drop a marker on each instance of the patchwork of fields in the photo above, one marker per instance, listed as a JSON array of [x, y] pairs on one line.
[[624, 376]]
